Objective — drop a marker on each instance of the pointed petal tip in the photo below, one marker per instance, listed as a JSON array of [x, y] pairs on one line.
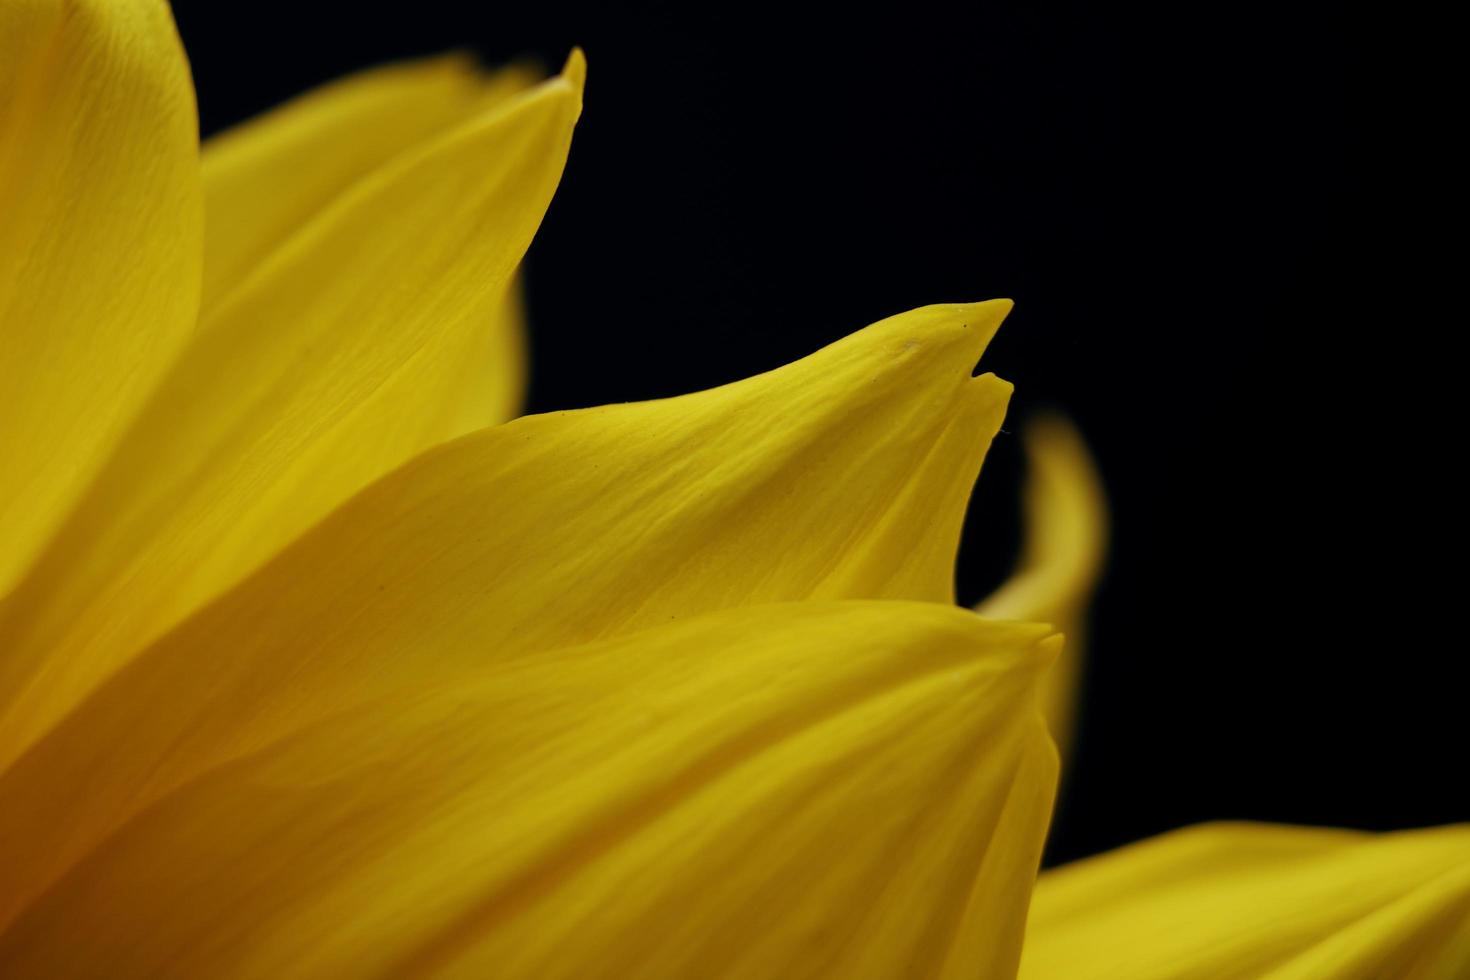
[[988, 312], [575, 70], [983, 313], [977, 321], [991, 314], [963, 330]]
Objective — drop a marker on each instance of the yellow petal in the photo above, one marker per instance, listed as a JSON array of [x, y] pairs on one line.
[[811, 790], [321, 373], [99, 242], [265, 179], [844, 475], [1241, 900], [1066, 537]]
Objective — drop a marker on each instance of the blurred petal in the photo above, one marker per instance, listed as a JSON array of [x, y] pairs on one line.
[[1066, 537], [809, 790], [265, 179], [316, 377], [1244, 900], [99, 242], [844, 475]]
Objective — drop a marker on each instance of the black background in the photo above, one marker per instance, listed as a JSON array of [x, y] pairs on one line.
[[1210, 276]]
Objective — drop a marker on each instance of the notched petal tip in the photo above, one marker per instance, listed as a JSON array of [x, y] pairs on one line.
[[992, 390]]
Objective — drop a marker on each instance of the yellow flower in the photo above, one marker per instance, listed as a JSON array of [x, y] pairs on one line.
[[310, 668]]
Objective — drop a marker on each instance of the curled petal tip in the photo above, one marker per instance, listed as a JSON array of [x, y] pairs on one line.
[[1066, 541]]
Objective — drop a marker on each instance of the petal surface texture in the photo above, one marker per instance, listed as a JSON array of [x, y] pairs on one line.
[[322, 371], [1066, 539], [265, 179], [842, 476], [100, 225], [1224, 901], [826, 789]]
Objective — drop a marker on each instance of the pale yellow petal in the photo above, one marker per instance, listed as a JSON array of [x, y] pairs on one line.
[[844, 475], [323, 372], [844, 789], [1224, 901], [99, 242], [1066, 538], [264, 180]]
